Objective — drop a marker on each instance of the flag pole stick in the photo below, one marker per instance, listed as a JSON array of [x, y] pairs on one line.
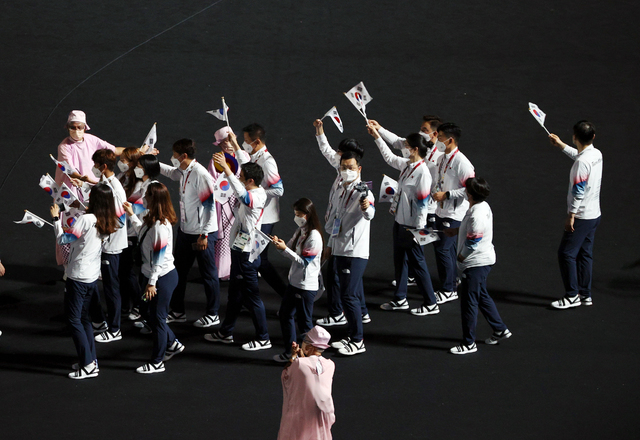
[[545, 129], [224, 111]]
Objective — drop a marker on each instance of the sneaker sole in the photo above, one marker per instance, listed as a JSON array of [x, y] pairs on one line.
[[463, 352], [87, 376], [324, 324], [351, 353], [106, 341], [257, 348]]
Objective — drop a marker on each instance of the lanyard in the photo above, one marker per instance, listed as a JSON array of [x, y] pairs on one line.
[[402, 179], [447, 165], [184, 186], [432, 153]]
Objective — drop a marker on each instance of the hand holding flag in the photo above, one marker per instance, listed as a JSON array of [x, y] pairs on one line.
[[29, 217], [359, 97], [538, 114], [335, 117]]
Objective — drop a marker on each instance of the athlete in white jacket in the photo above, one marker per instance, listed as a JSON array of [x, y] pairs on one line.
[[575, 254]]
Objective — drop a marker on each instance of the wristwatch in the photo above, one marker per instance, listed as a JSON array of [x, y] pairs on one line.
[[447, 195]]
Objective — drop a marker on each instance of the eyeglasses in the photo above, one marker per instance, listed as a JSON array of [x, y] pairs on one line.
[[76, 128]]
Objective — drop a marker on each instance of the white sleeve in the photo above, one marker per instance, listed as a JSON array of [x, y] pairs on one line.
[[329, 153]]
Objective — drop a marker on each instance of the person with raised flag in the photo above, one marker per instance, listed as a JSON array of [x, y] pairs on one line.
[[109, 329], [476, 256], [429, 129], [332, 282], [409, 208], [243, 284], [141, 171], [448, 190], [224, 208], [85, 238], [158, 273], [349, 226], [197, 234], [304, 250], [575, 254], [254, 144]]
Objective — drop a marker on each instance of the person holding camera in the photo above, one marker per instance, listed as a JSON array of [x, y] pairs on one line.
[[348, 224], [410, 208]]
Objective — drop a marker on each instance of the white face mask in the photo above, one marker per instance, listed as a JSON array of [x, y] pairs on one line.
[[247, 147], [139, 172], [440, 146], [348, 175], [123, 166], [176, 163], [96, 172], [300, 221]]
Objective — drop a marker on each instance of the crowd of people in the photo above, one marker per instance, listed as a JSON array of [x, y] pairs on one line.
[[124, 237]]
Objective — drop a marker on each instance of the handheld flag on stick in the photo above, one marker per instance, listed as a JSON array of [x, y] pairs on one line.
[[32, 218], [424, 236], [67, 197], [335, 117], [259, 241], [222, 188], [70, 216], [359, 97], [64, 166], [49, 185], [221, 113], [388, 189], [538, 114], [151, 139]]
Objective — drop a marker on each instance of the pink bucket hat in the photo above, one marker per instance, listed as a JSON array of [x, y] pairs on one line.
[[78, 116], [222, 134], [318, 337]]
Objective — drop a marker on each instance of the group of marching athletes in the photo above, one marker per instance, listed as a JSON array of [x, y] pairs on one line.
[[125, 236]]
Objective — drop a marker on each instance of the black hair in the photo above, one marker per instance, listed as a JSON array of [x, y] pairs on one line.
[[416, 140], [102, 205], [185, 146], [451, 130], [253, 171], [478, 188], [433, 121], [255, 131], [150, 165], [351, 145], [584, 131], [307, 207], [105, 157], [350, 155]]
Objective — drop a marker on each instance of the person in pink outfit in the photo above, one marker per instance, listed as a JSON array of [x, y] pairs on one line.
[[224, 210], [307, 407]]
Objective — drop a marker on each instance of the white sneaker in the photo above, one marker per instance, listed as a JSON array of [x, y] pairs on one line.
[[443, 297], [411, 282], [108, 336], [352, 348], [86, 372], [366, 319], [586, 300], [425, 310], [329, 320], [256, 345], [173, 349], [464, 349], [403, 304], [341, 343], [567, 302], [207, 321], [150, 368], [498, 336], [176, 317], [134, 315], [76, 366], [219, 337]]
